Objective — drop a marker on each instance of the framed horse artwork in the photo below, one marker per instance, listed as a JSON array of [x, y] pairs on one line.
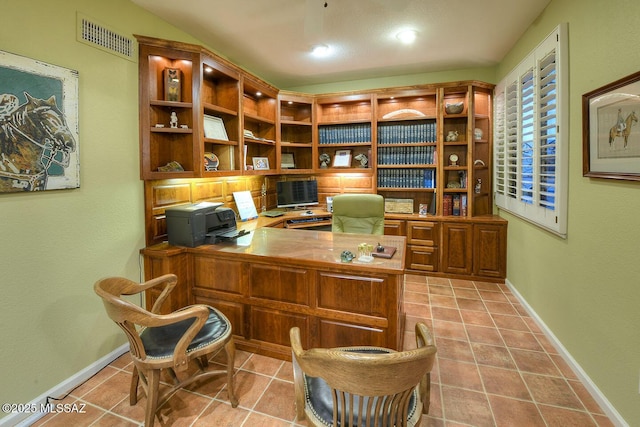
[[38, 126], [610, 130]]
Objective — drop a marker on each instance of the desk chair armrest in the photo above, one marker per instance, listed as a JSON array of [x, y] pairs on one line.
[[298, 376], [168, 281], [424, 339]]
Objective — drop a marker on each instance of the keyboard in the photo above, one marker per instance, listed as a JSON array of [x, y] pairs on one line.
[[306, 220]]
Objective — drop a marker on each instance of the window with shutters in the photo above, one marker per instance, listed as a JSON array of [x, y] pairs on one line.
[[531, 136]]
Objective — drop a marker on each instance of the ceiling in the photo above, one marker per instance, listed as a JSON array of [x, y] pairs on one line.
[[273, 38]]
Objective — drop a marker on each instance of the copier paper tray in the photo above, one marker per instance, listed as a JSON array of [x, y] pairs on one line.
[[227, 235]]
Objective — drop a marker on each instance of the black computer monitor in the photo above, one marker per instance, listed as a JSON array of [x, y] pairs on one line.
[[297, 194]]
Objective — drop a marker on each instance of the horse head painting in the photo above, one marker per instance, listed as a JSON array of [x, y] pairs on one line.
[[35, 143]]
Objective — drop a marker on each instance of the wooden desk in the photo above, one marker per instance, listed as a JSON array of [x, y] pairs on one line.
[[276, 278]]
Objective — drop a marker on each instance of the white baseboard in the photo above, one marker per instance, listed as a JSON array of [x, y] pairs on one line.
[[24, 420], [593, 389]]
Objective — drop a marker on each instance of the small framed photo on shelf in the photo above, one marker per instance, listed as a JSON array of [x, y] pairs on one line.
[[610, 135], [214, 128], [287, 161], [424, 209], [342, 159], [261, 163]]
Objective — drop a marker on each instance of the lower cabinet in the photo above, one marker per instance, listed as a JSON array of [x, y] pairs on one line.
[[467, 248]]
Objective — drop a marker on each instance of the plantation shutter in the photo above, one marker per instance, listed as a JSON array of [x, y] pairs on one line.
[[530, 161]]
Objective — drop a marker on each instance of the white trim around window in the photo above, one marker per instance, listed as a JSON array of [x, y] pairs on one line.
[[531, 136]]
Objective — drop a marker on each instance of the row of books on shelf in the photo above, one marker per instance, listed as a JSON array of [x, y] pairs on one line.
[[344, 134], [454, 204], [412, 155], [406, 178], [397, 133]]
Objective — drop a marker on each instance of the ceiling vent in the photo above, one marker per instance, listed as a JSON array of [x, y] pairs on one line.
[[103, 38]]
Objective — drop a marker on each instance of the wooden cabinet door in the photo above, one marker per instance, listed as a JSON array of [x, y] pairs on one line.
[[490, 250], [457, 248]]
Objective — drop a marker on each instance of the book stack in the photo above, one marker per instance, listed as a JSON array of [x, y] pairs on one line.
[[422, 131], [406, 178], [344, 134], [454, 205]]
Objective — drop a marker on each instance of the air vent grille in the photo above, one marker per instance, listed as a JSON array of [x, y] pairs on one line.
[[101, 37]]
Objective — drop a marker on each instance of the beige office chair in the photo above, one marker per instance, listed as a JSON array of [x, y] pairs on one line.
[[363, 386], [358, 213], [167, 341]]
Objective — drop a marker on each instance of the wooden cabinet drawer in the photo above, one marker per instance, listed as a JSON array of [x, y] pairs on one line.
[[332, 333], [424, 233], [423, 258], [352, 295], [394, 227]]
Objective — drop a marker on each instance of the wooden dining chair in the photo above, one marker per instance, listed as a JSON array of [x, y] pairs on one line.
[[167, 342], [363, 386]]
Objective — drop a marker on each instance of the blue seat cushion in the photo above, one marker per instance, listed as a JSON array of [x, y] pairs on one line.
[[320, 400], [161, 341]]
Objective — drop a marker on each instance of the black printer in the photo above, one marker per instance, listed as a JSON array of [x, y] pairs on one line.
[[201, 223]]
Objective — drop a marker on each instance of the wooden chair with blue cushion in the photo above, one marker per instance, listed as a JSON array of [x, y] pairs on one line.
[[358, 213], [363, 386], [171, 342]]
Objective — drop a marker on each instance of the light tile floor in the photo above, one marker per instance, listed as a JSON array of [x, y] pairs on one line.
[[494, 367]]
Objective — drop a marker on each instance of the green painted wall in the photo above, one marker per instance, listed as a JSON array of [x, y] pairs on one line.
[[587, 288], [56, 244]]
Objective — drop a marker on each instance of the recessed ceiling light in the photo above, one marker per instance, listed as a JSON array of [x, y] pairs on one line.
[[320, 50], [407, 36]]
